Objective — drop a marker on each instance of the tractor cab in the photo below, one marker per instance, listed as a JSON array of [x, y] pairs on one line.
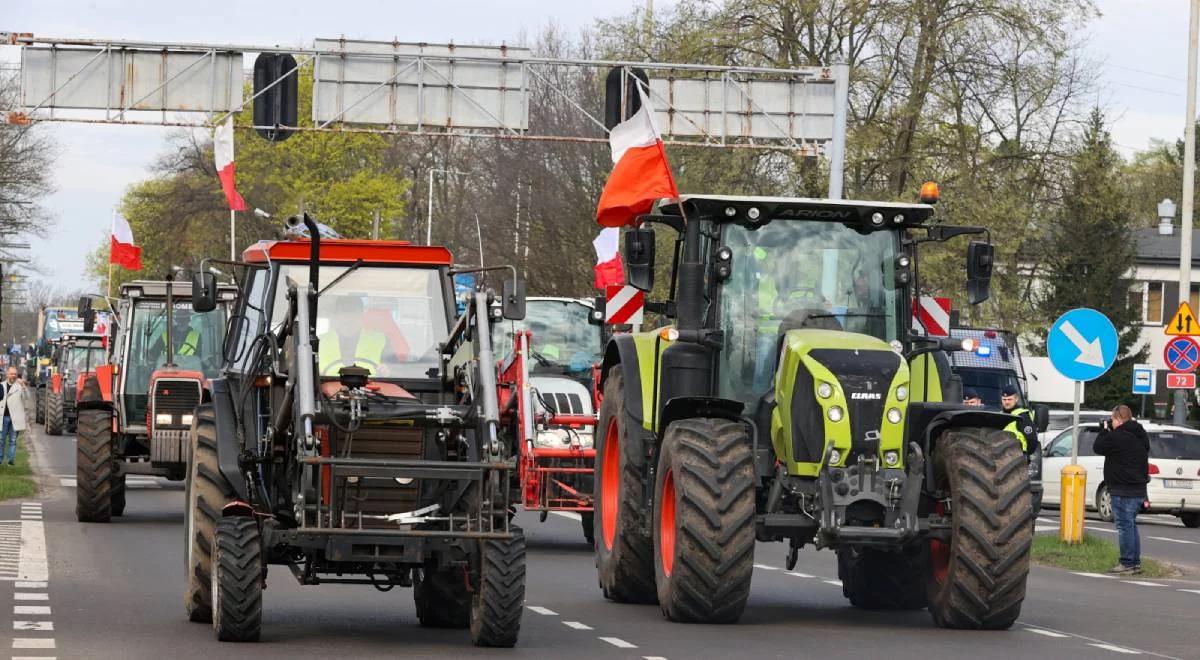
[[75, 357]]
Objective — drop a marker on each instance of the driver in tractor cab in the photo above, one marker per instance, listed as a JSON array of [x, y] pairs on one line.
[[187, 330], [866, 306], [1023, 427], [783, 304], [541, 333], [349, 341]]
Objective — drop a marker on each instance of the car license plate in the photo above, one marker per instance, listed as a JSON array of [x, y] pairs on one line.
[[1177, 483]]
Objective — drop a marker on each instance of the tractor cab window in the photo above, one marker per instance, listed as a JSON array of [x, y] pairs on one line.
[[83, 358], [789, 275], [388, 320], [197, 340], [563, 342]]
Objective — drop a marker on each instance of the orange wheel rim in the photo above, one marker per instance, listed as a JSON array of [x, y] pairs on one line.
[[610, 484], [939, 553], [666, 523]]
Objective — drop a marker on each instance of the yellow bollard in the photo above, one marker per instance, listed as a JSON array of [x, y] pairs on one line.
[[1074, 491]]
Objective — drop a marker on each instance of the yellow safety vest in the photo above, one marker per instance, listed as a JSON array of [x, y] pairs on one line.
[[369, 347], [1016, 430], [191, 343]]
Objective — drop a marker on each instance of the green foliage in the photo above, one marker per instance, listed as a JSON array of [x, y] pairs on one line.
[[1094, 555]]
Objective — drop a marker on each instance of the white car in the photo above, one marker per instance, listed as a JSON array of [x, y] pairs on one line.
[[1060, 420], [1174, 486]]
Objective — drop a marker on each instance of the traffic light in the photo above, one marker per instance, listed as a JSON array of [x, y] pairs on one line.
[[277, 106], [615, 97]]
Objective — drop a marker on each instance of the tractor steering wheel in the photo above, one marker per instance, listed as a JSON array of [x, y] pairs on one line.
[[332, 368]]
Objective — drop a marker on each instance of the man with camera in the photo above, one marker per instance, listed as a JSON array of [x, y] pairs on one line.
[[1126, 450]]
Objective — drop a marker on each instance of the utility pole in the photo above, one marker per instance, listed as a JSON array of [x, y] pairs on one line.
[[1189, 182]]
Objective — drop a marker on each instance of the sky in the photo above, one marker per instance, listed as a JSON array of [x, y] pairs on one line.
[[1139, 45]]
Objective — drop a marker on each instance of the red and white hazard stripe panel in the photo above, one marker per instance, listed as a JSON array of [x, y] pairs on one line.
[[934, 313], [623, 304]]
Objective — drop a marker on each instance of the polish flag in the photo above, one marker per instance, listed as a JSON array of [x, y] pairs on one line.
[[223, 149], [122, 251], [640, 172], [609, 268]]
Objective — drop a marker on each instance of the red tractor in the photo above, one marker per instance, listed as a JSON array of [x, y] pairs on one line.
[[75, 358]]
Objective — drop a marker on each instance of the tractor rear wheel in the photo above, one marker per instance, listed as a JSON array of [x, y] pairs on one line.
[[879, 580], [497, 604], [94, 466], [237, 580], [704, 521], [54, 413], [118, 496], [977, 580], [442, 597], [39, 415], [206, 492], [588, 521], [624, 555]]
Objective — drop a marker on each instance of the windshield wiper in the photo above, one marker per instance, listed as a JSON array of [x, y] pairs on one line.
[[854, 314], [339, 278]]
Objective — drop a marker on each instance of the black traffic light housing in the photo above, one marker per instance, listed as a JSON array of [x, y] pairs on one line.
[[278, 104], [618, 96]]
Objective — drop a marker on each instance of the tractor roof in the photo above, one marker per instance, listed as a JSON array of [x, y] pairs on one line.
[[82, 337], [345, 251], [798, 208], [157, 289]]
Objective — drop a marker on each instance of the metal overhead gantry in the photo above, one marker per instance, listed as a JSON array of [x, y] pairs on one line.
[[431, 90]]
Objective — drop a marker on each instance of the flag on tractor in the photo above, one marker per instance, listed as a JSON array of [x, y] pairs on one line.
[[609, 267], [223, 150], [122, 251], [640, 175]]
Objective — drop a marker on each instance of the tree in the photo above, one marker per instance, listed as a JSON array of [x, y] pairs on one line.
[[1095, 271], [26, 156]]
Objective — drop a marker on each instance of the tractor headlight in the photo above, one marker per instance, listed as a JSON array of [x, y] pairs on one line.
[[186, 420], [894, 416], [901, 392], [835, 457], [891, 458], [824, 390], [834, 413], [162, 418]]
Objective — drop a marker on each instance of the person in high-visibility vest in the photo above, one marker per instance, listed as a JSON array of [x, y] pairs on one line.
[[1022, 427], [348, 342], [190, 345]]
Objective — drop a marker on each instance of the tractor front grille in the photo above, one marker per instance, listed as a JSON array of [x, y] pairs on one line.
[[175, 396], [376, 496]]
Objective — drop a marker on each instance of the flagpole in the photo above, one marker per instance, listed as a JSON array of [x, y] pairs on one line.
[[111, 229], [232, 239]]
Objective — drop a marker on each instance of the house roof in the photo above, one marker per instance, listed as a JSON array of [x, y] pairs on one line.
[[1155, 249]]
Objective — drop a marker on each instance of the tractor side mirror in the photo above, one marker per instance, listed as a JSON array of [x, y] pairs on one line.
[[87, 314], [204, 292], [514, 299], [597, 315], [639, 258], [979, 271], [1041, 417]]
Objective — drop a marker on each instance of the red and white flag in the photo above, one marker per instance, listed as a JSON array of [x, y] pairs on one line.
[[122, 251], [640, 172], [609, 267], [223, 150]]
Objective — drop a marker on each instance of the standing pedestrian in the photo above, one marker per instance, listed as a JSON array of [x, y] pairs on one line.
[[13, 405], [1126, 450]]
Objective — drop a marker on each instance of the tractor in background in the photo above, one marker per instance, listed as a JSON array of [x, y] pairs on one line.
[[75, 358]]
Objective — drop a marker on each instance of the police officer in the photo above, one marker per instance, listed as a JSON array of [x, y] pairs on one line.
[[971, 398], [1022, 427]]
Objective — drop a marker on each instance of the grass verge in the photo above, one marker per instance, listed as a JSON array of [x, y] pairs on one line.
[[1094, 555], [17, 480]]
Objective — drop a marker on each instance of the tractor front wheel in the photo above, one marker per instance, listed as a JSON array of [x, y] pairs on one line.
[[94, 466], [39, 406], [623, 553], [880, 580], [704, 521], [442, 597], [237, 580], [54, 413], [497, 604], [977, 579], [206, 492]]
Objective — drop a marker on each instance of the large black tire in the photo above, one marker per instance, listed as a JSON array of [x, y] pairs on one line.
[[1190, 519], [118, 496], [54, 413], [588, 520], [704, 521], [94, 466], [237, 581], [39, 415], [498, 603], [442, 597], [879, 580], [206, 492], [624, 554], [978, 581]]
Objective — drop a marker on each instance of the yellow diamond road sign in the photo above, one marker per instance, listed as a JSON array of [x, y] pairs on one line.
[[1183, 323]]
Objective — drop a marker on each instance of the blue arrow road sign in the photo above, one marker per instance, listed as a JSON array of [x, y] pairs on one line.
[[1082, 344], [1143, 379]]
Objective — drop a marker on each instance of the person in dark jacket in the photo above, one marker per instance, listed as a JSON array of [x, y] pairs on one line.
[[1126, 450]]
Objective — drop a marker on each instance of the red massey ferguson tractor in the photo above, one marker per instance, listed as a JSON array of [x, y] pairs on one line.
[[76, 357], [134, 414]]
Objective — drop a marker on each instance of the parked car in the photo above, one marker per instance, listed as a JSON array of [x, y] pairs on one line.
[[1174, 486], [1060, 420]]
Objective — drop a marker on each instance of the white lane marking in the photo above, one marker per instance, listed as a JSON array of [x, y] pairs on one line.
[[1116, 649], [19, 595], [1101, 643], [618, 642], [31, 609], [1047, 633], [33, 643], [26, 516], [541, 610], [766, 568], [1045, 528], [30, 585], [39, 626], [653, 657], [130, 483], [577, 625], [1095, 575], [836, 583], [33, 566], [568, 514], [1100, 529], [1170, 540], [1145, 584], [800, 575], [34, 657], [1191, 591]]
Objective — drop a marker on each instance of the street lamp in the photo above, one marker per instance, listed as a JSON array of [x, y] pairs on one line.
[[1166, 217]]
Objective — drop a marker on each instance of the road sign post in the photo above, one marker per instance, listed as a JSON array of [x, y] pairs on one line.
[[1083, 346]]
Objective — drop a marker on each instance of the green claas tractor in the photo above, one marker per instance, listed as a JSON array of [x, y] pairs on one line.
[[788, 400]]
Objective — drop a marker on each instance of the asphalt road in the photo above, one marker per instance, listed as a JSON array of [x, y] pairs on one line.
[[116, 591]]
